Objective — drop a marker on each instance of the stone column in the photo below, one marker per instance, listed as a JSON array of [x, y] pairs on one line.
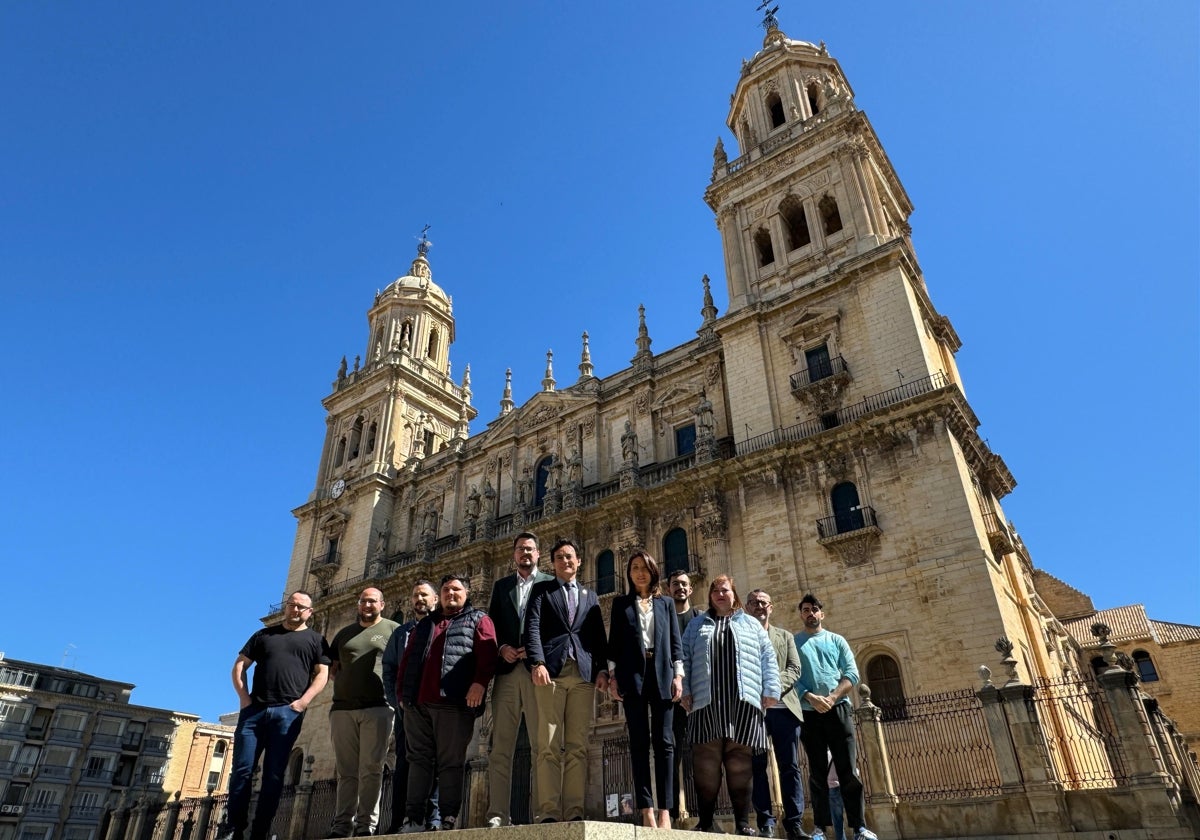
[[1002, 745], [172, 817], [205, 818], [873, 746], [1043, 792]]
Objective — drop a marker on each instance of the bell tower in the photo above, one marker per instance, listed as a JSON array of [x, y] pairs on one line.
[[811, 187], [385, 415]]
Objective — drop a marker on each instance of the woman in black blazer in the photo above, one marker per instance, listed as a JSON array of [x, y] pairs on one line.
[[646, 674]]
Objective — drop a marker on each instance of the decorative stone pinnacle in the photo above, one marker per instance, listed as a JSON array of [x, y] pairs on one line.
[[1107, 649], [1005, 648], [643, 338], [709, 311], [548, 382], [466, 383], [506, 400], [586, 371]]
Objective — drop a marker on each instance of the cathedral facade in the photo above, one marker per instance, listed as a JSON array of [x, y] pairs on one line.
[[814, 437]]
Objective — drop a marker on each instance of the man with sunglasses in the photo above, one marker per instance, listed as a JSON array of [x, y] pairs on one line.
[[291, 667]]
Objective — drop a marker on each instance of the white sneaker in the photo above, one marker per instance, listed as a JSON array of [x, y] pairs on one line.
[[865, 833], [495, 822], [411, 827]]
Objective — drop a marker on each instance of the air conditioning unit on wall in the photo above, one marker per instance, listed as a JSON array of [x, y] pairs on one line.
[[25, 770]]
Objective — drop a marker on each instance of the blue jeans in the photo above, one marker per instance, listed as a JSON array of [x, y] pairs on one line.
[[784, 732], [268, 732], [837, 813]]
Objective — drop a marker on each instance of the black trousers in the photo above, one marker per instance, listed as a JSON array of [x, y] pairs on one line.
[[650, 722], [832, 733]]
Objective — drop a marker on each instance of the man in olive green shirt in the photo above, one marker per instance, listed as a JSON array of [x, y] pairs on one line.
[[361, 720]]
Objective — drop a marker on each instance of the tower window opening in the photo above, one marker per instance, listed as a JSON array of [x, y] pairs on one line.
[[795, 222], [762, 242], [814, 98], [339, 455], [1145, 666], [431, 349], [775, 109], [356, 437], [372, 433], [831, 217]]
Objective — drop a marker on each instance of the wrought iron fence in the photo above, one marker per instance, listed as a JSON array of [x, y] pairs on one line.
[[1077, 723], [939, 746]]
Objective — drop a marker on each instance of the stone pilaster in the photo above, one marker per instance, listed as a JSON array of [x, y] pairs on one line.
[[873, 746]]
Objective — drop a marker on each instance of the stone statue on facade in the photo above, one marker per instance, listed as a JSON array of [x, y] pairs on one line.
[[629, 445], [574, 468], [705, 423], [381, 541], [473, 503], [430, 526]]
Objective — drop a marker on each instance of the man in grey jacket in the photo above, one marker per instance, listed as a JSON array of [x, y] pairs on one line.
[[783, 728]]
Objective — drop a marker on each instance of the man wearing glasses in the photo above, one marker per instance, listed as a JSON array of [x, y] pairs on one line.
[[291, 667], [361, 720], [783, 727]]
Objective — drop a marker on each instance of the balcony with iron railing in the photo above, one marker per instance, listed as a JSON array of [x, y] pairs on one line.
[[96, 776], [43, 809], [874, 402], [151, 778], [13, 729], [106, 740], [157, 746], [845, 522], [54, 771], [819, 371], [66, 734], [997, 533], [84, 813]]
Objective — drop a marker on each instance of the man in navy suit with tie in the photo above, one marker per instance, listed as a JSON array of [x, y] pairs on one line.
[[566, 652]]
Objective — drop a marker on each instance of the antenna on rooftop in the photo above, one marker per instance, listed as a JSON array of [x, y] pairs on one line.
[[66, 653], [769, 20]]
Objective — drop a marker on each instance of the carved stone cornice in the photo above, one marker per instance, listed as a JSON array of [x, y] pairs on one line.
[[853, 547]]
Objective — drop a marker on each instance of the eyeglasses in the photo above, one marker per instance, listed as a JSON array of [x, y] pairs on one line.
[[365, 601], [293, 605], [758, 603]]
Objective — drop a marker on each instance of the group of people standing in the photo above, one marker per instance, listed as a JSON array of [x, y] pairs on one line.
[[724, 679]]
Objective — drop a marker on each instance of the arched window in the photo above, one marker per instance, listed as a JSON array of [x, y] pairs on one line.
[[1145, 666], [220, 748], [542, 476], [887, 689], [762, 243], [406, 332], [356, 437], [295, 769], [795, 223], [431, 349], [847, 511], [340, 453], [606, 573], [675, 551], [775, 109], [1099, 666], [813, 93], [372, 433], [831, 218]]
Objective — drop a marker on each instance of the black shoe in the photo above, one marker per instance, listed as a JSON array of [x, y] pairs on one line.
[[548, 820], [576, 819]]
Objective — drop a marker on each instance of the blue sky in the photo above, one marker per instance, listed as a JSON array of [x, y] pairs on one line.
[[198, 204]]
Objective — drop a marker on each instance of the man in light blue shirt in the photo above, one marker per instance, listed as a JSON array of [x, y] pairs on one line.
[[827, 673]]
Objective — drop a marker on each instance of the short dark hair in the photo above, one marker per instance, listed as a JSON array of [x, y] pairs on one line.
[[679, 573], [651, 567], [560, 543], [810, 598], [526, 535], [463, 579], [425, 582]]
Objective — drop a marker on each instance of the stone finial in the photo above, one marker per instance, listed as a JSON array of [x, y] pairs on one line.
[[864, 693], [1005, 648], [357, 362], [466, 384], [548, 383], [985, 674], [709, 310], [506, 401], [586, 371], [1107, 649], [341, 374]]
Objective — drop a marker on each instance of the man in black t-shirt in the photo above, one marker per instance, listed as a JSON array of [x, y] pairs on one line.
[[291, 666]]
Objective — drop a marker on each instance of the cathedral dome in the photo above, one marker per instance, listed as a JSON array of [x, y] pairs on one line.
[[418, 281]]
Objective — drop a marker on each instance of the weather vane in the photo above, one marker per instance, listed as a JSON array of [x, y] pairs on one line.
[[423, 244], [769, 20]]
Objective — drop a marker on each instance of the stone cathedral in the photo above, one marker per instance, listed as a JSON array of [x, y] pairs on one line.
[[814, 437]]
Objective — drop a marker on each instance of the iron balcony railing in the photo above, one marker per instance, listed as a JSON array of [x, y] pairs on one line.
[[54, 771], [818, 371], [847, 521], [846, 415], [157, 745]]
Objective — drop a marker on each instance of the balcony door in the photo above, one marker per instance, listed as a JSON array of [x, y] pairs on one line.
[[847, 511]]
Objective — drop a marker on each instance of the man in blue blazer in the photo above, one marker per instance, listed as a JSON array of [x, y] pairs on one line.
[[566, 652]]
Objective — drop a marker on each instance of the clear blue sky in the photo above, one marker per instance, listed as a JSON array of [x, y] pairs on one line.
[[197, 205]]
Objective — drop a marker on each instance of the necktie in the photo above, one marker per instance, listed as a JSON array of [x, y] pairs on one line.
[[572, 601]]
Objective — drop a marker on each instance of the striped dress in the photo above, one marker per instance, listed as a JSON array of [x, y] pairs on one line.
[[728, 715]]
